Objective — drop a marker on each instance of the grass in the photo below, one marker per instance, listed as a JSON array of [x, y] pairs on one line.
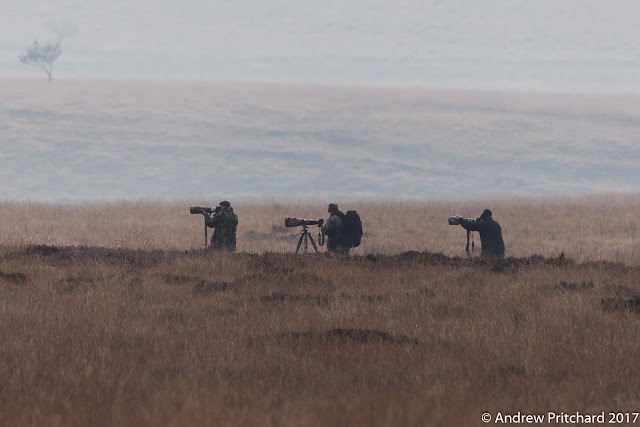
[[142, 327], [585, 228]]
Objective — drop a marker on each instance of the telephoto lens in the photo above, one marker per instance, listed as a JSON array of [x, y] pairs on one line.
[[296, 222], [454, 221], [200, 210], [292, 222]]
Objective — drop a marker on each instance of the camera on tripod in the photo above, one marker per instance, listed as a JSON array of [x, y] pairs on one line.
[[297, 222], [471, 245], [204, 211], [306, 236]]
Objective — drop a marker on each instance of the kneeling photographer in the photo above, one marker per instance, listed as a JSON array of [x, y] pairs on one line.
[[490, 232]]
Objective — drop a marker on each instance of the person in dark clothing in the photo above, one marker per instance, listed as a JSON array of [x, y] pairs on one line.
[[224, 223], [490, 233], [332, 228]]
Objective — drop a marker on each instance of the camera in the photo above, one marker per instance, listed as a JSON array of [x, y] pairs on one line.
[[454, 221], [296, 222], [203, 210]]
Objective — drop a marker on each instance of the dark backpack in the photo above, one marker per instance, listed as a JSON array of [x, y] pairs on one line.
[[351, 229]]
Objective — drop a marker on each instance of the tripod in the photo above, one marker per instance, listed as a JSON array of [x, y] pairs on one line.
[[306, 236], [206, 240]]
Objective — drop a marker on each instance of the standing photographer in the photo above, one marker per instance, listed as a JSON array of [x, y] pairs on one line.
[[490, 233], [224, 223], [332, 228]]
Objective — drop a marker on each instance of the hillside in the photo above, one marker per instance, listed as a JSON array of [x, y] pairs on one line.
[[114, 314], [80, 140], [136, 337]]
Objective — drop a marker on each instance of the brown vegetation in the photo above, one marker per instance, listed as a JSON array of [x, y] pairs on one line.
[[586, 228], [113, 315]]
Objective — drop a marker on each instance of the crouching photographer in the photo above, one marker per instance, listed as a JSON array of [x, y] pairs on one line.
[[490, 233]]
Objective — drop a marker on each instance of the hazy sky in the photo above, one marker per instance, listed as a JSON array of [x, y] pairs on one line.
[[557, 45]]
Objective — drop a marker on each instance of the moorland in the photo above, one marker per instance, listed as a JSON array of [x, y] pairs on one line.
[[114, 314], [77, 140]]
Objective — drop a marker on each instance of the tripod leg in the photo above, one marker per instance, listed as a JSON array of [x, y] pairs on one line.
[[306, 242], [205, 232], [300, 242], [313, 243]]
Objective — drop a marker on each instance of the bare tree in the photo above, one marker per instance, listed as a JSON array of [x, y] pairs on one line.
[[42, 56]]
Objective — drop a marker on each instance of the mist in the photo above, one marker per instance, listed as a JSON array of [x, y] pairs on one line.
[[567, 46], [287, 99]]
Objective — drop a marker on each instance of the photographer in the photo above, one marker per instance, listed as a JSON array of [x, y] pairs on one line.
[[490, 233], [332, 228], [224, 223]]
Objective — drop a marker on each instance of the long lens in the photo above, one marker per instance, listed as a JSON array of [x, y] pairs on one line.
[[200, 209], [296, 222], [292, 222]]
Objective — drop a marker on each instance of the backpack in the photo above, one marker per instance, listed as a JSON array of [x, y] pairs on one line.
[[351, 229]]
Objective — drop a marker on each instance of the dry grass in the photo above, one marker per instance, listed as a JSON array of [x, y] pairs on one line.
[[157, 332], [604, 227]]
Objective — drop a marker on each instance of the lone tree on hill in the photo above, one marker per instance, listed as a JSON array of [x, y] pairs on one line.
[[42, 56]]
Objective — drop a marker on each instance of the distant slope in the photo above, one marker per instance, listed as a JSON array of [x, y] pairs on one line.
[[91, 140]]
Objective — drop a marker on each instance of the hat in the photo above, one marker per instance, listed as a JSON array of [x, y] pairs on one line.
[[486, 214], [225, 203], [332, 207]]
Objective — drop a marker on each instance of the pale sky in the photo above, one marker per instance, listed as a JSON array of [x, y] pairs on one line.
[[548, 45]]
